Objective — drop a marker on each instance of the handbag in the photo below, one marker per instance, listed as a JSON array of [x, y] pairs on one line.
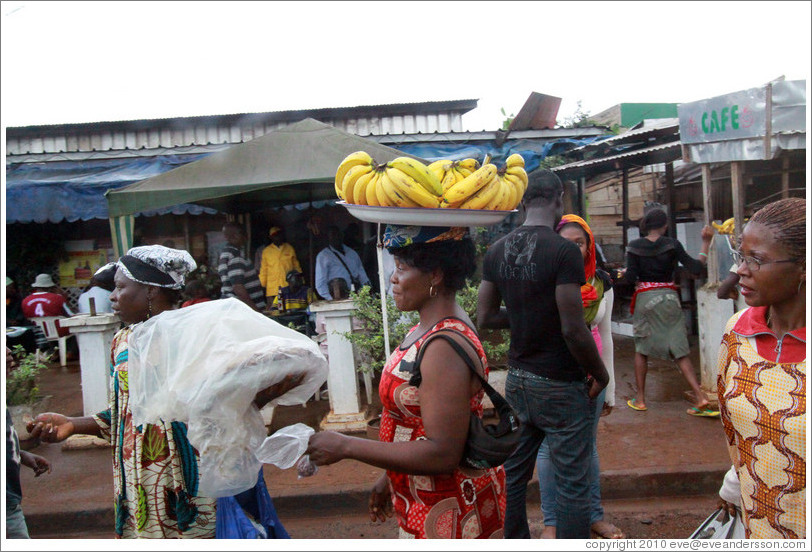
[[720, 525], [487, 445]]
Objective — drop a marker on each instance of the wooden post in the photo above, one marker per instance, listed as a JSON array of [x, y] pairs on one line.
[[707, 203], [769, 121], [582, 198], [625, 208], [785, 176], [672, 201], [737, 188]]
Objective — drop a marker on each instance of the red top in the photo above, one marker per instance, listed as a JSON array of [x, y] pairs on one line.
[[45, 303], [792, 347], [195, 301], [466, 504]]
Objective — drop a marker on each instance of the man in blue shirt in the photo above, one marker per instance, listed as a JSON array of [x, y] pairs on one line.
[[338, 261]]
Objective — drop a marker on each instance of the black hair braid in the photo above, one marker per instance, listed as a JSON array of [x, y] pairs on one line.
[[787, 219]]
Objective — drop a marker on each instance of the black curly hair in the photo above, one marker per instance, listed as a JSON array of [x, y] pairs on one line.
[[455, 258]]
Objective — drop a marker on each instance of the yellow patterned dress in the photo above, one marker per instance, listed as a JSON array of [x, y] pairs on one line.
[[155, 469], [762, 399]]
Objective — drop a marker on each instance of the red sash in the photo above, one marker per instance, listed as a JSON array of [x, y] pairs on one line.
[[641, 287]]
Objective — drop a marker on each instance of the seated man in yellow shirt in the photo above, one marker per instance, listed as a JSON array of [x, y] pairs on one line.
[[278, 259]]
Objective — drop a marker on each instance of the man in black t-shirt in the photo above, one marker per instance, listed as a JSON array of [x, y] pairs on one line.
[[555, 370]]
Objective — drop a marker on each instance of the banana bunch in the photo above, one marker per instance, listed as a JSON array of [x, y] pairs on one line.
[[402, 182], [406, 182], [726, 227], [488, 187]]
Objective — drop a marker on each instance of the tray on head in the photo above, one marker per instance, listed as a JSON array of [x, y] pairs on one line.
[[425, 216]]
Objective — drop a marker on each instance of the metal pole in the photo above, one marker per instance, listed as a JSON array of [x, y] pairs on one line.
[[672, 200], [382, 282], [737, 185], [713, 272]]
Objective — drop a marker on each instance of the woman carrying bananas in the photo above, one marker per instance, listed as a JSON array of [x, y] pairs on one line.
[[598, 298], [659, 326], [424, 425]]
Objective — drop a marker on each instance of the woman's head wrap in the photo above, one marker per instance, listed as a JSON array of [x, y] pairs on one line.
[[589, 294], [397, 236], [156, 265]]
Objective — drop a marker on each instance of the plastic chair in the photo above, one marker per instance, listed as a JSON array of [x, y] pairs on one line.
[[47, 324]]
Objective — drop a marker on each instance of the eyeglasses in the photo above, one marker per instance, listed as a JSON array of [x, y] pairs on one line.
[[754, 264]]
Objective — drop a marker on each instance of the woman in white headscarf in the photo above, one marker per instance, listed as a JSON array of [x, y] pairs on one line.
[[156, 474]]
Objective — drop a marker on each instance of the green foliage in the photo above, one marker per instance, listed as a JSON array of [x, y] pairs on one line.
[[578, 119], [553, 161], [508, 119], [369, 341], [21, 383]]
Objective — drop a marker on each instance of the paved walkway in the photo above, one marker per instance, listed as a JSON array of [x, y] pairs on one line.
[[660, 452]]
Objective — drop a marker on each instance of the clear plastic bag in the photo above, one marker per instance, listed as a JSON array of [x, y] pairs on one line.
[[203, 365], [286, 447]]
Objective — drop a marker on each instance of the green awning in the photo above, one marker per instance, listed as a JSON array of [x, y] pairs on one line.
[[293, 164]]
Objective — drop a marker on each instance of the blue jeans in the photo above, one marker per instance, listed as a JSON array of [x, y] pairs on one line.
[[547, 486], [15, 522], [560, 413]]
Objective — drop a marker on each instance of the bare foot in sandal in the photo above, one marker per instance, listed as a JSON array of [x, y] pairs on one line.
[[606, 530]]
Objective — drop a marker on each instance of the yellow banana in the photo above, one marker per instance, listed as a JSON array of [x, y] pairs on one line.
[[438, 168], [351, 178], [353, 159], [419, 172], [719, 228], [484, 196], [449, 179], [398, 199], [355, 191], [515, 160], [372, 192], [518, 189], [410, 188], [463, 171], [469, 185], [468, 164], [520, 173], [498, 197]]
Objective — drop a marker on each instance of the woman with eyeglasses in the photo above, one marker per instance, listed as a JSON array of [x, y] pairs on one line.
[[659, 326], [762, 373]]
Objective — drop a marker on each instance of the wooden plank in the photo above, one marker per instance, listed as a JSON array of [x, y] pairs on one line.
[[785, 177], [737, 189], [625, 216], [706, 193]]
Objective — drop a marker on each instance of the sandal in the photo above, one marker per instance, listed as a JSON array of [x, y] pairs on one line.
[[633, 405], [704, 412]]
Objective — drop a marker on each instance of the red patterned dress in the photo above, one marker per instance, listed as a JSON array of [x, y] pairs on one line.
[[466, 504]]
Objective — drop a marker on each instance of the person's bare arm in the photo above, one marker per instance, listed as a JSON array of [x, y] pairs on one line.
[[578, 337], [52, 427], [489, 311], [727, 289], [242, 294], [445, 393]]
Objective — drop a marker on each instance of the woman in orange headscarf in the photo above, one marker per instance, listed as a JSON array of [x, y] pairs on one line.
[[597, 297]]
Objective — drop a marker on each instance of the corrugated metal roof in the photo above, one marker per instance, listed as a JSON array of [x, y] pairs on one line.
[[643, 152], [647, 127]]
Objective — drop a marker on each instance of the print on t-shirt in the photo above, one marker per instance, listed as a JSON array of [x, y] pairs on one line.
[[519, 250]]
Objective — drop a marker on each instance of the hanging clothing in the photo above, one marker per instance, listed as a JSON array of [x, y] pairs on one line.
[[466, 504]]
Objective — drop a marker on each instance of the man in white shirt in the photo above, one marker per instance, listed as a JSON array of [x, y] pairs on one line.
[[338, 261], [101, 286]]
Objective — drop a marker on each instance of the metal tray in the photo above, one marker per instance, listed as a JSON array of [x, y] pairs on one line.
[[425, 216]]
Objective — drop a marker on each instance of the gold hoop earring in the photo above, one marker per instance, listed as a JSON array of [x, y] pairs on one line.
[[149, 307], [432, 291]]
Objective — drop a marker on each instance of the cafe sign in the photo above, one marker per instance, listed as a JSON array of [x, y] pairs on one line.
[[729, 117]]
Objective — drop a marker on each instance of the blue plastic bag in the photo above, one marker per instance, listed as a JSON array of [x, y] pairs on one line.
[[233, 521]]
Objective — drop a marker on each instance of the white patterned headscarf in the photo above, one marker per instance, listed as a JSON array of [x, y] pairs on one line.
[[156, 265]]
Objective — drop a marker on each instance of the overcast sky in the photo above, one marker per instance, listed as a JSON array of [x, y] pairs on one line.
[[76, 62]]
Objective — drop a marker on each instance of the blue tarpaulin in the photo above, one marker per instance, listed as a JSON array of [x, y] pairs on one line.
[[74, 190]]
